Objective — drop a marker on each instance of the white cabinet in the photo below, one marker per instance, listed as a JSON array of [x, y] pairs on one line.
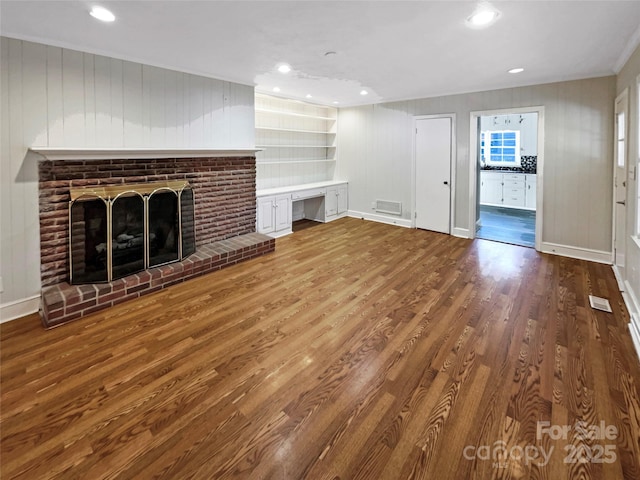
[[530, 194], [321, 201], [336, 202], [274, 215], [490, 188], [512, 190]]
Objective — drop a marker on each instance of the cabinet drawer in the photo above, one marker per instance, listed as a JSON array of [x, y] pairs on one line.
[[508, 185], [514, 183], [516, 177], [513, 197], [312, 192]]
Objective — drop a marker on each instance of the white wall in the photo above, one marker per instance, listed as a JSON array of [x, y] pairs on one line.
[[627, 79], [62, 98], [374, 147]]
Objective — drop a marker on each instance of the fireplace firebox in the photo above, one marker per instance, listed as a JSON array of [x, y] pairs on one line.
[[119, 230]]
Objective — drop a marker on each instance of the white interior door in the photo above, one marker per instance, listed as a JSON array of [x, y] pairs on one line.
[[620, 182], [433, 173]]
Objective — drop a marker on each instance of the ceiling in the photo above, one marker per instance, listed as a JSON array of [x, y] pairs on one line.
[[395, 50]]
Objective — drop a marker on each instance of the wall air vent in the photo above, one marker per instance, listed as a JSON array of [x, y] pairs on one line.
[[386, 206]]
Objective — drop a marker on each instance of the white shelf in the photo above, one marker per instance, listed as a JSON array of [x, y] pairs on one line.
[[280, 162], [295, 146], [292, 130], [294, 114], [86, 153]]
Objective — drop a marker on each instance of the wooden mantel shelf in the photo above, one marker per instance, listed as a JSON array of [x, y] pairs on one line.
[[82, 153]]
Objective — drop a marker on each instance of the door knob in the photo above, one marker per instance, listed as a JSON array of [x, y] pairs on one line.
[[446, 183], [621, 202]]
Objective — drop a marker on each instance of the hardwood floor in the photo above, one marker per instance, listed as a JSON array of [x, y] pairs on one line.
[[355, 351], [508, 225]]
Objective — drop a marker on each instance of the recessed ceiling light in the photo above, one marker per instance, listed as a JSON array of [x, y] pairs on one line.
[[308, 95], [284, 68], [276, 89], [516, 70], [336, 103], [363, 92], [484, 15], [102, 14]]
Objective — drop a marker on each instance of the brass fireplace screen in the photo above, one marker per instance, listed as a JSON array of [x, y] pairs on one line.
[[118, 230]]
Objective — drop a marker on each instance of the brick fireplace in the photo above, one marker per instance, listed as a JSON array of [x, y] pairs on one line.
[[224, 192]]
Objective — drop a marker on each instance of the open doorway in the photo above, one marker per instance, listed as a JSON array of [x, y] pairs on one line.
[[506, 171]]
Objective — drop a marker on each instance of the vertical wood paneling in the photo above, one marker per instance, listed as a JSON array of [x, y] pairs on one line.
[[34, 105], [217, 111], [207, 117], [132, 101], [6, 181], [73, 98], [196, 112], [117, 102], [89, 100], [102, 86], [154, 86], [65, 98], [55, 112], [16, 221], [171, 107], [184, 109]]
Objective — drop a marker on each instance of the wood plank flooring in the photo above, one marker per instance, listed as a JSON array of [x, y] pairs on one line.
[[355, 351], [508, 225]]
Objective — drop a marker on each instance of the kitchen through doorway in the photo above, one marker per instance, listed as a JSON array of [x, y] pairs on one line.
[[507, 174]]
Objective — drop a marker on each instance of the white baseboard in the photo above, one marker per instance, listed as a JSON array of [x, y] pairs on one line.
[[634, 329], [597, 256], [618, 276], [401, 222], [633, 307], [19, 308], [461, 232]]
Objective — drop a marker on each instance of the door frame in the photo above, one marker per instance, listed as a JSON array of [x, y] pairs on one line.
[[452, 163], [473, 165], [623, 100]]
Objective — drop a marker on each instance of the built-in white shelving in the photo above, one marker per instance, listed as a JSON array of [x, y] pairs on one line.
[[297, 141]]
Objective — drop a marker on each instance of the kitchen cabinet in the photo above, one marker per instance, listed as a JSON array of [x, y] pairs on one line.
[[511, 190], [274, 215], [491, 188], [530, 194]]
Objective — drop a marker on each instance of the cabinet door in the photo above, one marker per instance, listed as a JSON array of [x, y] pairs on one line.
[[331, 202], [282, 212], [490, 188], [530, 191], [266, 215], [343, 203]]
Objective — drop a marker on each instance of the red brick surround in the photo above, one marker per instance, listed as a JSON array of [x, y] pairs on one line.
[[225, 214], [224, 191]]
